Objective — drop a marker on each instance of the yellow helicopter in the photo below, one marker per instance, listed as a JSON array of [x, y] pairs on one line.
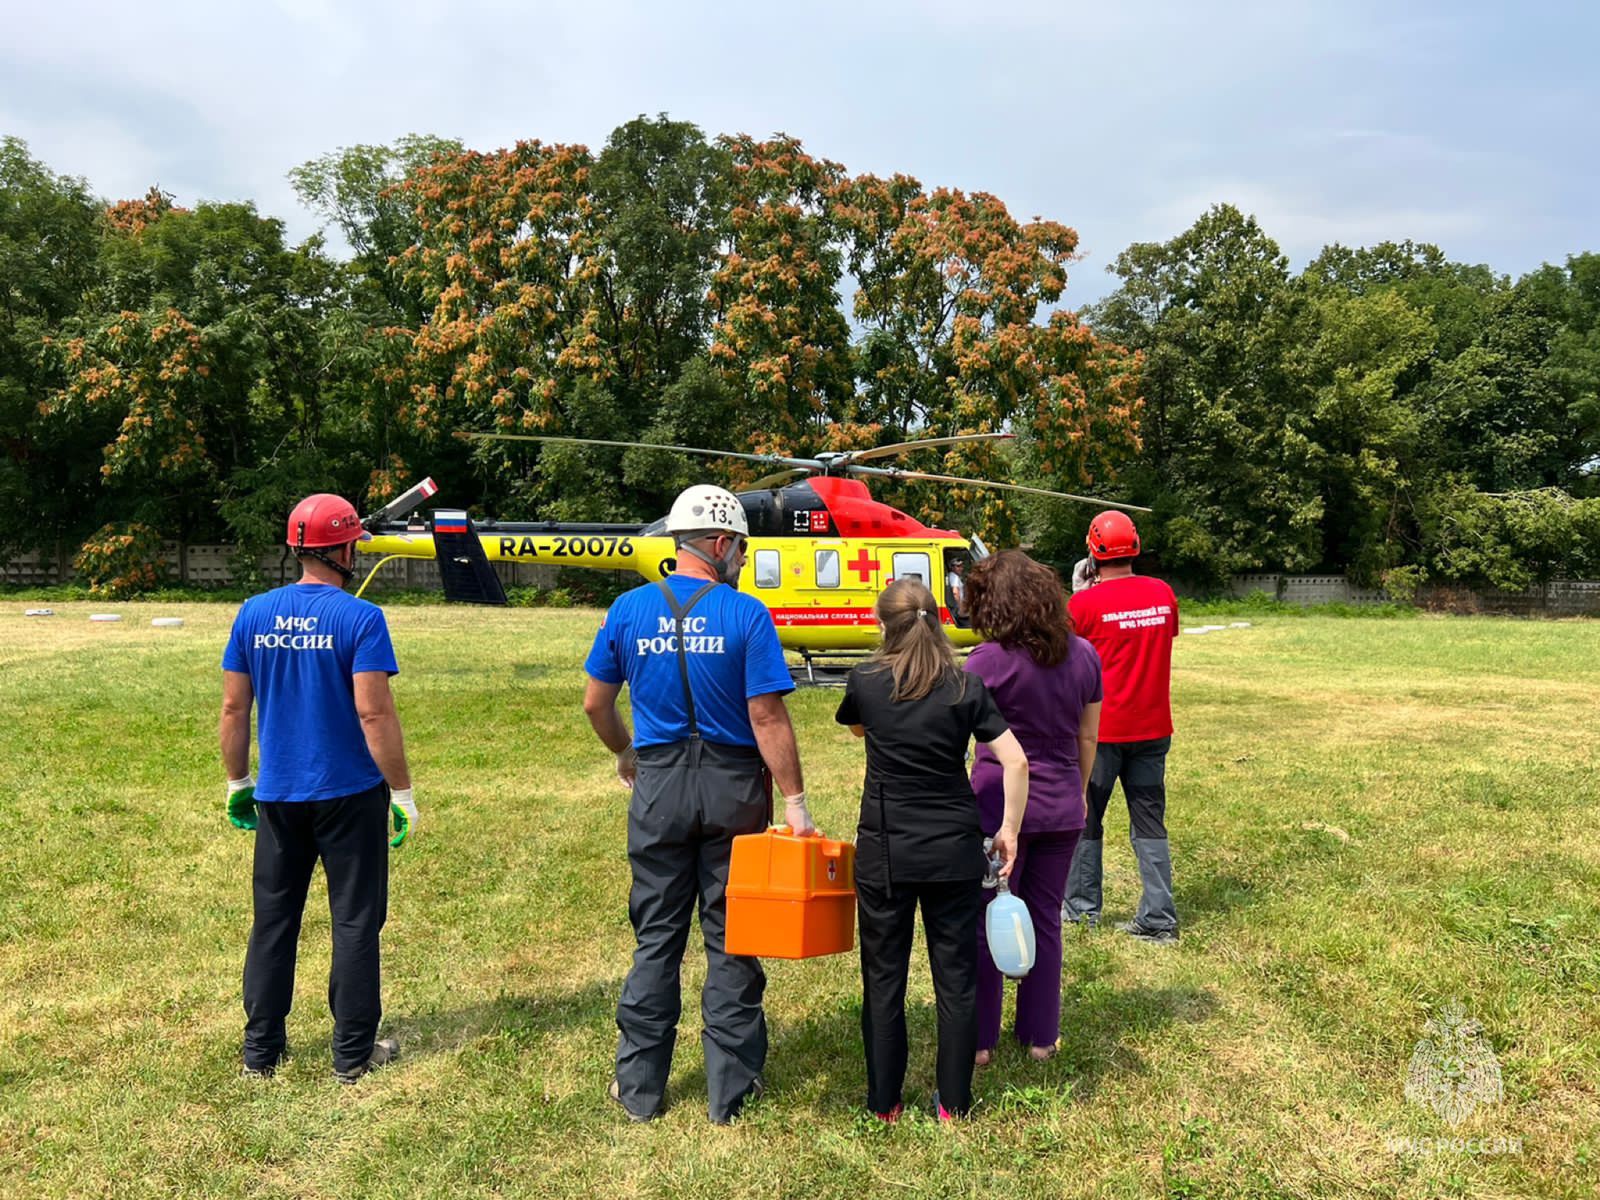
[[821, 548]]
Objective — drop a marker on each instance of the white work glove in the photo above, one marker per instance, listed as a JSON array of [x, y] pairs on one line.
[[628, 766], [403, 807], [796, 816]]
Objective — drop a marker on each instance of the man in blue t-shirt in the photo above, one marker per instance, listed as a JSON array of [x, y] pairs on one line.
[[332, 766], [706, 677]]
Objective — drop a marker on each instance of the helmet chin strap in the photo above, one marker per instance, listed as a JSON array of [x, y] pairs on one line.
[[726, 567], [345, 573]]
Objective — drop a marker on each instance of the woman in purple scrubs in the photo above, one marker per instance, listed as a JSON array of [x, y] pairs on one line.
[[1047, 684]]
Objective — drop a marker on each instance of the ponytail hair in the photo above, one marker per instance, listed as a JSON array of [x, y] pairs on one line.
[[915, 649]]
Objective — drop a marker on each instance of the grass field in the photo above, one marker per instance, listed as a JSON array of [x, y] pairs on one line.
[[1370, 818]]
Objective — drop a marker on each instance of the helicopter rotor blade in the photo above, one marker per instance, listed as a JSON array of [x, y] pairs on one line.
[[892, 473], [768, 460], [855, 456], [772, 481]]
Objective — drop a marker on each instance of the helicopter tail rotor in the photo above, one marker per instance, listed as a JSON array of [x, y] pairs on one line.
[[402, 505]]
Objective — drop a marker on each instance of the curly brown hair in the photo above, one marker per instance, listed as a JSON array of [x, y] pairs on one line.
[[1016, 601]]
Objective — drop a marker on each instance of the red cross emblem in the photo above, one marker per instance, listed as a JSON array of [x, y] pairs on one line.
[[865, 566]]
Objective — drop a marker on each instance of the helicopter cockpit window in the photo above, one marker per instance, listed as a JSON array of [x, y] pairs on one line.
[[956, 563], [913, 566], [768, 573], [828, 568]]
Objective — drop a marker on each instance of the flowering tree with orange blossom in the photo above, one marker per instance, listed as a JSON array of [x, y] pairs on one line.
[[671, 290], [951, 288]]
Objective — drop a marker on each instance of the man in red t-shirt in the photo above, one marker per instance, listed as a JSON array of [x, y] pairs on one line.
[[1131, 620]]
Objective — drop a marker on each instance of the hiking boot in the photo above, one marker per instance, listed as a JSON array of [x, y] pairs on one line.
[[384, 1052], [1160, 937], [614, 1091], [758, 1089]]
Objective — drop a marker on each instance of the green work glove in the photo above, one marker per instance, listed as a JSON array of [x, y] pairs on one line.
[[242, 802], [404, 809]]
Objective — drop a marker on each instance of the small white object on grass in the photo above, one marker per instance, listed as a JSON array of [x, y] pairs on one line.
[[1238, 624], [167, 622], [105, 616], [1196, 629], [40, 612]]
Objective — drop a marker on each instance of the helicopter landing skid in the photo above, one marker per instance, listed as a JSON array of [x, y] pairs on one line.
[[813, 671]]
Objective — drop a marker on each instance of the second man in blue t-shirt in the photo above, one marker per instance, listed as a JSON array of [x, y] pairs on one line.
[[706, 677]]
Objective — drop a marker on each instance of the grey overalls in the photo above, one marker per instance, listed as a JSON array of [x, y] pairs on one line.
[[690, 800]]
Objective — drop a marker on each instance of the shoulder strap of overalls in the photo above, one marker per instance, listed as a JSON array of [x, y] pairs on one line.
[[679, 612]]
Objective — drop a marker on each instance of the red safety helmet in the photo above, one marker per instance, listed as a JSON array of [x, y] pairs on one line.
[[1112, 535], [324, 520]]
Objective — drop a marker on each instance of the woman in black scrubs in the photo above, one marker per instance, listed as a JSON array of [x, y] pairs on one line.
[[919, 840]]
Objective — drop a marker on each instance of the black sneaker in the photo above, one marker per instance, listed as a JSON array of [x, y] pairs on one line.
[[264, 1072], [1087, 920], [1160, 937], [384, 1052]]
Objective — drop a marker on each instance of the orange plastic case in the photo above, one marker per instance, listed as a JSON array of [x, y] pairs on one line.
[[791, 897]]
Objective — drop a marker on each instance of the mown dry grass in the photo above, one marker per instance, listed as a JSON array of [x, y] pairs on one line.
[[1370, 818]]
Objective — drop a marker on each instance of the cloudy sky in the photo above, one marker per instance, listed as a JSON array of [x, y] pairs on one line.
[[1473, 125]]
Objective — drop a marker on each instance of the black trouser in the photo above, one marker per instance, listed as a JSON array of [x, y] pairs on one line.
[[950, 912], [688, 805], [350, 836]]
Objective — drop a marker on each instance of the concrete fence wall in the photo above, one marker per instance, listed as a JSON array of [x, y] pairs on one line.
[[1304, 589], [211, 566], [1558, 598]]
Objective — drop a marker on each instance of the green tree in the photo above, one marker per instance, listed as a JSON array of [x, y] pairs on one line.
[[1228, 450], [1349, 365], [206, 361], [779, 335], [1570, 299], [951, 291], [359, 189], [663, 211], [49, 241]]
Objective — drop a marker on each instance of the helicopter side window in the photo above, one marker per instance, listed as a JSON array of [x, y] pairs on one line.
[[828, 568], [913, 566], [768, 572]]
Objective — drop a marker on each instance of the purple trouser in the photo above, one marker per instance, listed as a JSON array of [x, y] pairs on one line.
[[1041, 882]]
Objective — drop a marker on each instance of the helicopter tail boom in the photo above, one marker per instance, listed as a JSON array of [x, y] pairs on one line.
[[547, 543]]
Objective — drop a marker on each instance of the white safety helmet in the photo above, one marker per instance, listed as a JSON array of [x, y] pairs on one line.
[[709, 509]]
